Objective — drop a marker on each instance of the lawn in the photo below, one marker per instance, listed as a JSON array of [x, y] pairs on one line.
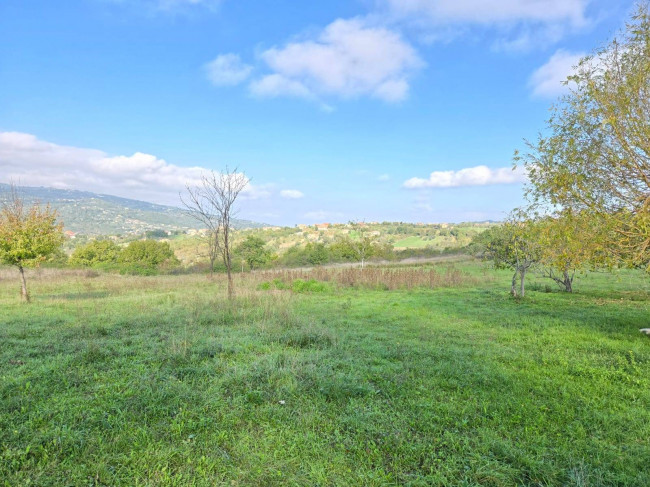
[[118, 380]]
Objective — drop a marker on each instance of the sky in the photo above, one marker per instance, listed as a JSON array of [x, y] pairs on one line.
[[369, 110]]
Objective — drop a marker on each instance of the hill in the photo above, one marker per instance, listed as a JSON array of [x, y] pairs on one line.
[[100, 214]]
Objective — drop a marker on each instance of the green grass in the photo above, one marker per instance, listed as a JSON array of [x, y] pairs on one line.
[[413, 242], [118, 380]]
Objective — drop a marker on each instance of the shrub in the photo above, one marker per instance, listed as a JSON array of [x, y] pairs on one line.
[[97, 253], [147, 257]]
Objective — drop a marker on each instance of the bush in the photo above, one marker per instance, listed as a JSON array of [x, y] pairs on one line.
[[147, 257], [97, 253]]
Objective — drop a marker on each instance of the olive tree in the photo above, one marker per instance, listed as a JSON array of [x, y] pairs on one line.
[[28, 235], [595, 155]]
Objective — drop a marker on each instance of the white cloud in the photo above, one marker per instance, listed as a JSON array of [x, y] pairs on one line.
[[30, 161], [547, 80], [471, 176], [227, 70], [492, 11], [347, 59], [278, 85], [292, 194], [520, 24], [383, 177]]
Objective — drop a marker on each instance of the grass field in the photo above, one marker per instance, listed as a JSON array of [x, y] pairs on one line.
[[118, 380]]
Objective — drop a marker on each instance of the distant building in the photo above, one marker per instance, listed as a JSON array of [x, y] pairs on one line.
[[70, 234], [322, 226]]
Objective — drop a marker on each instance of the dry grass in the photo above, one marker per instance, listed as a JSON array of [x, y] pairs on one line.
[[371, 277]]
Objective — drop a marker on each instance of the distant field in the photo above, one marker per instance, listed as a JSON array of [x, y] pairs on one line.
[[117, 380], [411, 243]]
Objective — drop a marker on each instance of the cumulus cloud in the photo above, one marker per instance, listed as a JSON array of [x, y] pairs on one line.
[[547, 80], [347, 59], [292, 194], [29, 161], [227, 70], [471, 176]]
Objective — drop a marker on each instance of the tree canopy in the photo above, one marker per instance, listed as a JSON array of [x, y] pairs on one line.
[[28, 236], [595, 156]]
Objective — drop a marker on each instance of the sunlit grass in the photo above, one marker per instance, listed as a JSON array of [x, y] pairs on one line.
[[120, 380]]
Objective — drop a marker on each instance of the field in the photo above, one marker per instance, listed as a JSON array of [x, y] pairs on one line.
[[120, 380]]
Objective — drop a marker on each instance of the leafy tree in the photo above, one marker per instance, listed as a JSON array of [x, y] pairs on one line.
[[96, 253], [27, 235], [513, 246], [147, 257], [570, 241], [253, 251], [317, 253], [363, 245], [596, 156]]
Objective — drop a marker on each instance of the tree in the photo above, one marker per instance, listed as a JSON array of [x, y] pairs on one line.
[[96, 253], [147, 257], [596, 156], [212, 203], [570, 241], [253, 251], [363, 245], [512, 246], [27, 235]]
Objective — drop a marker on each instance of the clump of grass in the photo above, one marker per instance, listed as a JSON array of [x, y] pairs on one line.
[[307, 338]]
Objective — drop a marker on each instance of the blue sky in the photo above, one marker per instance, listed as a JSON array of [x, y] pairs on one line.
[[400, 110]]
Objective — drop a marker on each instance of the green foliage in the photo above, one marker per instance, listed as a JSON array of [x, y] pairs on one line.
[[309, 286], [596, 157], [253, 251], [28, 236], [147, 257], [514, 246], [96, 253], [156, 234], [317, 253]]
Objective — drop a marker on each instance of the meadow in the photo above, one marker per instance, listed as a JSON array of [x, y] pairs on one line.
[[419, 376]]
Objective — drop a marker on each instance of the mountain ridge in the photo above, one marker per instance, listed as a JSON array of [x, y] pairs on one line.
[[89, 213]]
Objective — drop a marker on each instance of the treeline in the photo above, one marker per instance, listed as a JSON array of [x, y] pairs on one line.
[[148, 257]]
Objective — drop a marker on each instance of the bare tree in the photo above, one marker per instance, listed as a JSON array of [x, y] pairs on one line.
[[212, 202]]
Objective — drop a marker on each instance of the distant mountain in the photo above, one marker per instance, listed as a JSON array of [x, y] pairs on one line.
[[100, 214]]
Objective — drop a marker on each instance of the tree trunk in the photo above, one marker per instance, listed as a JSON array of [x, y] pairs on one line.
[[230, 285], [522, 275], [23, 291], [513, 287], [568, 282]]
